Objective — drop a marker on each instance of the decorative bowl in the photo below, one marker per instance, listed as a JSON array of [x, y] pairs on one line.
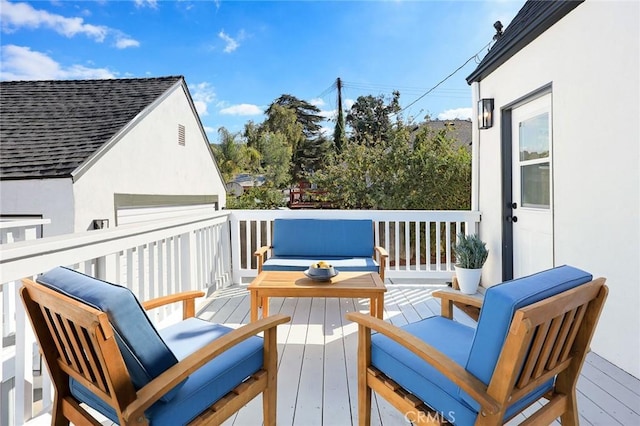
[[321, 271]]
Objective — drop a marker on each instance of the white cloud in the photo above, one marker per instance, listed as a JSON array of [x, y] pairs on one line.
[[203, 94], [15, 16], [22, 63], [153, 4], [348, 103], [231, 44], [242, 109], [123, 41], [319, 102], [328, 114], [459, 113]]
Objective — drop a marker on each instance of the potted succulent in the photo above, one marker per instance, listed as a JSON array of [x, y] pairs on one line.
[[471, 253]]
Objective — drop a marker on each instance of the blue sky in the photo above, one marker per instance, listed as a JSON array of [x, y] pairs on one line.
[[238, 56]]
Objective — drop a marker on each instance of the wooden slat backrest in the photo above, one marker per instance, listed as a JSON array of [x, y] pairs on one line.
[[78, 341], [547, 338]]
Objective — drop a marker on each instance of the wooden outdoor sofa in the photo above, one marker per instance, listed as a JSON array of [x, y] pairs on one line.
[[345, 243]]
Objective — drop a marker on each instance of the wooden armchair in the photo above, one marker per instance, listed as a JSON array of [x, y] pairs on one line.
[[530, 343], [102, 350]]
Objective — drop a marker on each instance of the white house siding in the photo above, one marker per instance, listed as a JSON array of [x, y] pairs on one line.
[[148, 160], [49, 198], [591, 58]]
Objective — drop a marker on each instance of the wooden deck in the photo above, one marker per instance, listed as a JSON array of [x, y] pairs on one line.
[[317, 370]]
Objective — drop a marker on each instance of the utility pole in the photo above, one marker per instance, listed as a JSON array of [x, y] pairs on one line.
[[338, 133]]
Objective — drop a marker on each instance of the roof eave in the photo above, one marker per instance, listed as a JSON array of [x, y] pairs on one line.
[[542, 23]]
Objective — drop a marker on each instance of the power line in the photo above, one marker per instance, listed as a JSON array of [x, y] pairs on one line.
[[446, 78]]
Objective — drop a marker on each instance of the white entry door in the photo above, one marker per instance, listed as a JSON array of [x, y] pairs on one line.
[[532, 162]]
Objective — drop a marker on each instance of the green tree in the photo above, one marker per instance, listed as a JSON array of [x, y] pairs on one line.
[[307, 115], [370, 118], [276, 157], [233, 156], [406, 171], [299, 122]]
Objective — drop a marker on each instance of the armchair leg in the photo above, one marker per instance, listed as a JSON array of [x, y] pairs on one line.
[[269, 395], [364, 403], [364, 391]]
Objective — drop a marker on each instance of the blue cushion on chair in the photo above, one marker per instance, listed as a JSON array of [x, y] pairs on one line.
[[415, 375], [499, 306], [344, 264], [204, 386], [144, 352], [313, 238]]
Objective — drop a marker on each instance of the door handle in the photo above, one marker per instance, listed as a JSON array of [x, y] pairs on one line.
[[513, 219], [514, 205]]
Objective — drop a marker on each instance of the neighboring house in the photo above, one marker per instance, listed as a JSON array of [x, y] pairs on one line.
[[94, 153], [458, 129], [557, 175]]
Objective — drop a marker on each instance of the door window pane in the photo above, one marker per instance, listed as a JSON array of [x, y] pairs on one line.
[[534, 137], [535, 189]]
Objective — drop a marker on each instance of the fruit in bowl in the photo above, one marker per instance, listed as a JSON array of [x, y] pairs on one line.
[[322, 269]]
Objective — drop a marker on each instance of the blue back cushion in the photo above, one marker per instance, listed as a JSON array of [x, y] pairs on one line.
[[317, 238], [499, 306], [144, 352]]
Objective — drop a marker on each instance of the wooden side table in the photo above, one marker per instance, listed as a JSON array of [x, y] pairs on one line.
[[468, 303], [295, 284]]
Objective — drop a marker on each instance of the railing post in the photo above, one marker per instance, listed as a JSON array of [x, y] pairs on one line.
[[188, 262], [226, 252], [234, 229], [23, 364]]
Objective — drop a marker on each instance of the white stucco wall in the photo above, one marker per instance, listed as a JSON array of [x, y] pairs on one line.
[[49, 198], [149, 160], [591, 57]]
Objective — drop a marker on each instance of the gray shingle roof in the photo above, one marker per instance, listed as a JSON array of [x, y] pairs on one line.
[[535, 17], [49, 128]]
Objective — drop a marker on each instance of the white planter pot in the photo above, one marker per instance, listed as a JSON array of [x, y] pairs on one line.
[[468, 279]]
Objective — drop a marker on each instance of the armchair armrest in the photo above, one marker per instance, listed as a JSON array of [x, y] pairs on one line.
[[383, 255], [187, 298], [450, 296], [159, 386], [261, 255], [454, 372]]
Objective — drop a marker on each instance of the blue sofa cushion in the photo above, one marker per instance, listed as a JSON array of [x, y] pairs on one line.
[[207, 384], [344, 264], [499, 306], [144, 352], [318, 238]]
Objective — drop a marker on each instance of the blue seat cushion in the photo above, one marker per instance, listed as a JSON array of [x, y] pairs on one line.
[[342, 264], [144, 352], [207, 384], [417, 376], [317, 238], [499, 306], [425, 382]]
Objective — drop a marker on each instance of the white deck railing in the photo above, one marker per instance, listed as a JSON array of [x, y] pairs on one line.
[[199, 252], [418, 241]]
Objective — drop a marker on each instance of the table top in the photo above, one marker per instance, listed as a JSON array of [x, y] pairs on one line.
[[296, 280]]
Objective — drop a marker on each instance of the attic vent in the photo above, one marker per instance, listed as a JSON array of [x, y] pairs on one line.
[[181, 135]]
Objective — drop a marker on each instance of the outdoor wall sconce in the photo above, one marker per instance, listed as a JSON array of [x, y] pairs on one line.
[[485, 113]]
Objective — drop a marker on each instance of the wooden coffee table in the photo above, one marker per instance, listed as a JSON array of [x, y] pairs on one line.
[[295, 284]]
